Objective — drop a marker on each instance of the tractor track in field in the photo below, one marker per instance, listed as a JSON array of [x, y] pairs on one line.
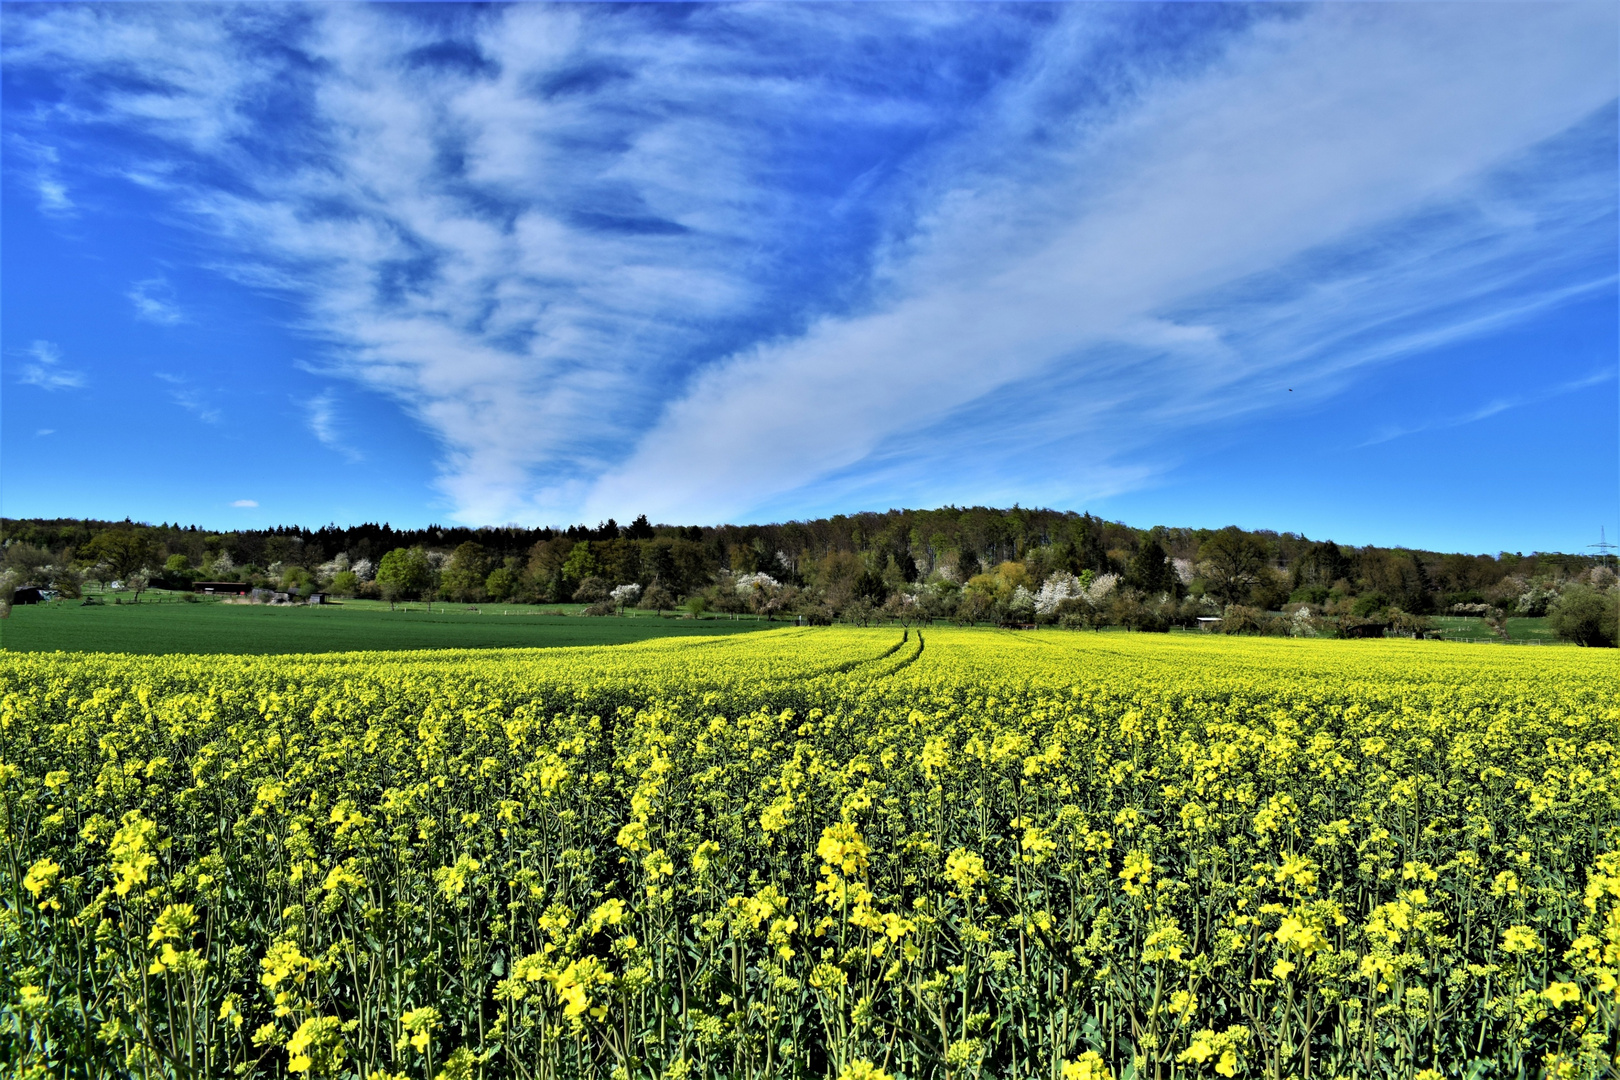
[[908, 661]]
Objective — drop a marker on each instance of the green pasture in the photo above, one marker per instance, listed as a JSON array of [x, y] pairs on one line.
[[1521, 631], [165, 625]]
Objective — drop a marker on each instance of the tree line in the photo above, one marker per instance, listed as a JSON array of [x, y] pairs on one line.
[[971, 564]]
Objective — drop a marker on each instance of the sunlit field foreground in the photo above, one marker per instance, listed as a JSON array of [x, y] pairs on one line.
[[814, 853]]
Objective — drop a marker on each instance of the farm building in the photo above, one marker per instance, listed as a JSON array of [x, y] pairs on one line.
[[222, 588], [32, 594]]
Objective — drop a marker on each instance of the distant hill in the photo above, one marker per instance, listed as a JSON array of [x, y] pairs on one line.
[[928, 562]]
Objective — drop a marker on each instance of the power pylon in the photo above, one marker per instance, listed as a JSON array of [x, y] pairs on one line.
[[1603, 548]]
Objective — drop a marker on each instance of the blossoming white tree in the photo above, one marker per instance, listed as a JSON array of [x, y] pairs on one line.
[[1101, 587], [333, 567], [1059, 587], [749, 583]]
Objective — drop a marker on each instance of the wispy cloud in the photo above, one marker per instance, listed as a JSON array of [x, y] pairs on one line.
[[530, 226], [245, 504], [191, 398], [154, 302], [321, 414], [1495, 407], [42, 432], [40, 170], [1095, 270], [617, 262], [53, 195], [46, 371]]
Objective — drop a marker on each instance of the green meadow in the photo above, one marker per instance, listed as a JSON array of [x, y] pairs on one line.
[[163, 626]]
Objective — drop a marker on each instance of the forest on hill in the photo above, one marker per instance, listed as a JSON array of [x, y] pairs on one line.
[[970, 564]]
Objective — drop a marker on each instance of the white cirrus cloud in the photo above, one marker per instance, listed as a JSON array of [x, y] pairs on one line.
[[320, 412], [1494, 407], [53, 195], [1091, 269], [525, 233], [245, 504], [41, 171], [191, 398], [610, 260], [155, 303], [46, 370]]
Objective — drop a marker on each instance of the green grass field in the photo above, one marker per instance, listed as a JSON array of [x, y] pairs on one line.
[[162, 623], [1523, 631], [167, 627]]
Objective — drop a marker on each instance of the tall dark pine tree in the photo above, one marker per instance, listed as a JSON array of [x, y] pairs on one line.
[[1090, 551], [1150, 569]]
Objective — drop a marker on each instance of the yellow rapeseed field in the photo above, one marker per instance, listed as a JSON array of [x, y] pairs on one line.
[[817, 852]]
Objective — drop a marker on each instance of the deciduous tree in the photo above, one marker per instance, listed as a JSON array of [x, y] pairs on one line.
[[656, 598], [1233, 560], [404, 574], [463, 577], [123, 550], [1587, 616], [501, 583]]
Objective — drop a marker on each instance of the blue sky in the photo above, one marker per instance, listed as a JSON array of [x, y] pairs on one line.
[[1345, 269]]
